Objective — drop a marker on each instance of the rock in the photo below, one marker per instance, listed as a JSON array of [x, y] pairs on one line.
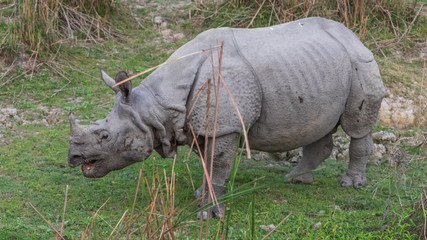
[[317, 225], [384, 136], [280, 202], [261, 156], [341, 142], [279, 156], [137, 6], [164, 24], [178, 36], [8, 116], [267, 227], [334, 154], [397, 156], [166, 33], [399, 112], [343, 155], [158, 20], [379, 150], [374, 162], [285, 163], [297, 157]]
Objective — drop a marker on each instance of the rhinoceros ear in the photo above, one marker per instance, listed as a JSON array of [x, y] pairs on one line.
[[74, 126], [109, 81], [125, 88]]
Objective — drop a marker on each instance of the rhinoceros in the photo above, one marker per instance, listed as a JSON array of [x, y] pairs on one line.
[[293, 84]]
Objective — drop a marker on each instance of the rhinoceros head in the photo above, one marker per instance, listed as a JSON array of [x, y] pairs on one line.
[[114, 142]]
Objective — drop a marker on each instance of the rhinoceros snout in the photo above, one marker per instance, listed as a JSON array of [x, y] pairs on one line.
[[75, 160]]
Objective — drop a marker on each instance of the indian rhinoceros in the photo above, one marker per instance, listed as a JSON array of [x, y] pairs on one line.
[[293, 84]]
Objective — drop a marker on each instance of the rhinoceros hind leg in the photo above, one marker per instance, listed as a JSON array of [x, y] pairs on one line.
[[360, 150], [312, 156]]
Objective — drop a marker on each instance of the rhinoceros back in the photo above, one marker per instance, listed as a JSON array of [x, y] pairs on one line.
[[305, 76], [314, 73]]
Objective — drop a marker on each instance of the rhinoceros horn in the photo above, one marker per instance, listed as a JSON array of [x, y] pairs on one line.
[[74, 126]]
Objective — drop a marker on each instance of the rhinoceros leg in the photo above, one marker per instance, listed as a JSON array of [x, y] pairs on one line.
[[360, 150], [224, 150], [312, 155]]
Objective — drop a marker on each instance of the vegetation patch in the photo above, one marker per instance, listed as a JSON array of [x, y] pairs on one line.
[[159, 202]]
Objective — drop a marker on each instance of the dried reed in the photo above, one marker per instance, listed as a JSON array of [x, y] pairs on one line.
[[359, 15], [43, 24]]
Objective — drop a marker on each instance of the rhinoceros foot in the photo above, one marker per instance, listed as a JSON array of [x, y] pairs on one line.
[[216, 211], [305, 178], [353, 180]]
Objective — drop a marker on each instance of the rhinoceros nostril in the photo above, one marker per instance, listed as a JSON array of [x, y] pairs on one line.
[[75, 160]]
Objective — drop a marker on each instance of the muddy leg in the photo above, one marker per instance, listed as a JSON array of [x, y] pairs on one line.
[[360, 150], [312, 156], [225, 148]]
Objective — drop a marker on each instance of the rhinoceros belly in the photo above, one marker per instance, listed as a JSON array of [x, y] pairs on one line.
[[305, 78]]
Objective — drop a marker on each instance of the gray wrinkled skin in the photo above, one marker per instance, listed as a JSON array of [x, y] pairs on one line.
[[293, 83]]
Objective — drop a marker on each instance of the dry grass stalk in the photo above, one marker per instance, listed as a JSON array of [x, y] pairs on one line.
[[358, 15], [94, 216], [278, 225], [44, 219], [118, 224], [424, 199], [134, 202], [65, 208], [256, 14], [43, 24], [235, 108], [205, 170], [420, 104]]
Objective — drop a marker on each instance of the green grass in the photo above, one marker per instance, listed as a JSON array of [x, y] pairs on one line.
[[33, 164]]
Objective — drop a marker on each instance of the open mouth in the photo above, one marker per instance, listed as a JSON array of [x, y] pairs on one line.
[[88, 165]]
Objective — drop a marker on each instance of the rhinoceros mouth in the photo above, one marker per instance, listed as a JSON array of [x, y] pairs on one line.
[[89, 165]]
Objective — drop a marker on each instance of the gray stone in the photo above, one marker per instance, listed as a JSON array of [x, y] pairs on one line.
[[384, 137], [158, 20], [379, 151], [178, 36], [166, 33], [296, 158], [399, 112], [267, 227], [261, 156], [164, 24], [317, 225], [344, 155]]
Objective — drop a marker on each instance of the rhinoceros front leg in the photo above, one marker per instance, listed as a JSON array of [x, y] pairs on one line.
[[360, 150], [224, 150], [312, 156]]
